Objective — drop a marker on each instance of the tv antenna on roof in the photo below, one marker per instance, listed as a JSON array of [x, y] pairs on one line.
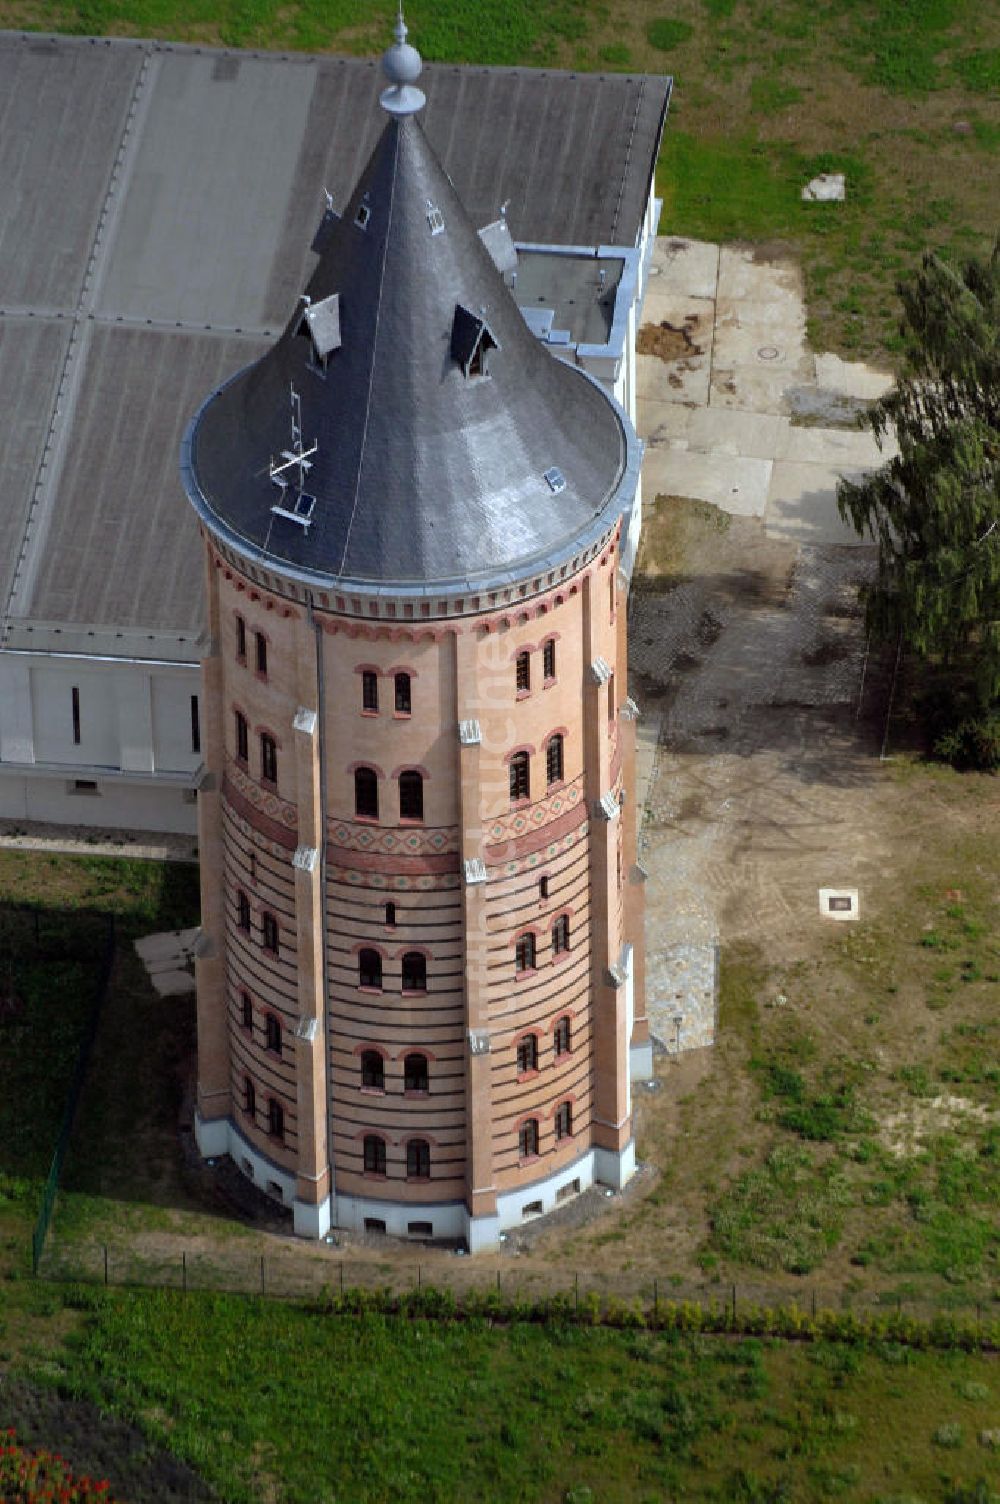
[[296, 503]]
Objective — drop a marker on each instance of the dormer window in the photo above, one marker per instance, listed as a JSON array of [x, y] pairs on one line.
[[320, 325], [363, 215], [472, 339], [435, 219]]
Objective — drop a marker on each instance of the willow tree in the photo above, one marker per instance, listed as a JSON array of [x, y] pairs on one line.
[[934, 508]]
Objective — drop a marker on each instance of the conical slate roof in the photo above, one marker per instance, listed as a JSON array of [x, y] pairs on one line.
[[424, 470]]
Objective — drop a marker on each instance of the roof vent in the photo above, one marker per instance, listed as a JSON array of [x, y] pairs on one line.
[[363, 215], [471, 341], [496, 238], [555, 478], [435, 219], [320, 324]]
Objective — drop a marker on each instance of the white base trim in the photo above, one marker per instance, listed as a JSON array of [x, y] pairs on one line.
[[311, 1219], [640, 1061], [441, 1220]]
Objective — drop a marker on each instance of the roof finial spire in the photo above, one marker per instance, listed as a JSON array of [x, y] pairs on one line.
[[402, 66]]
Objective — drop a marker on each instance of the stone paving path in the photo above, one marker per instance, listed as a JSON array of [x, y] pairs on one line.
[[749, 665]]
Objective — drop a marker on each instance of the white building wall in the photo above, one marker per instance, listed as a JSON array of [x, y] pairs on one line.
[[134, 767]]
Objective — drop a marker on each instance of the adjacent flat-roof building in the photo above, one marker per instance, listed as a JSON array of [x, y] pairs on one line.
[[164, 208]]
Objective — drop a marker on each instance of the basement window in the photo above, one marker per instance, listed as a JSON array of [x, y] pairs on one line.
[[472, 339]]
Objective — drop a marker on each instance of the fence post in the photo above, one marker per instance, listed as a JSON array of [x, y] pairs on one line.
[[418, 1276], [656, 1301], [734, 1307], [341, 1276], [184, 1270], [576, 1290], [105, 1263], [262, 1291]]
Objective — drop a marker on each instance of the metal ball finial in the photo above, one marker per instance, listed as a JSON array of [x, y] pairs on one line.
[[402, 66]]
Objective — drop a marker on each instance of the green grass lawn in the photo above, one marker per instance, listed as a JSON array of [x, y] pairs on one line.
[[277, 1403], [903, 96]]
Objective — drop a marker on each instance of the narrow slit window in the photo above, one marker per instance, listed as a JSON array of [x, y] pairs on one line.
[[275, 1119], [75, 700], [554, 760], [369, 691], [564, 1121], [261, 652], [522, 672], [390, 915], [246, 1010], [268, 758], [527, 1054], [273, 1033], [249, 1098], [269, 930], [560, 934], [243, 911], [195, 724], [241, 640], [549, 660], [242, 737], [561, 1037]]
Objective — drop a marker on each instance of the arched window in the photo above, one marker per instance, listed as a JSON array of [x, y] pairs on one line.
[[242, 737], [549, 659], [269, 929], [543, 887], [246, 1010], [527, 1139], [560, 934], [369, 968], [249, 1098], [275, 1118], [372, 1071], [522, 672], [374, 1154], [418, 1159], [414, 972], [369, 690], [242, 910], [411, 796], [366, 793], [561, 1037], [268, 758], [524, 953], [564, 1120], [520, 781], [527, 1054], [390, 914], [241, 639], [554, 759], [402, 688], [273, 1026], [415, 1077]]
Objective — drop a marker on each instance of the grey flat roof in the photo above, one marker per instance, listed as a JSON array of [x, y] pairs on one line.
[[155, 227]]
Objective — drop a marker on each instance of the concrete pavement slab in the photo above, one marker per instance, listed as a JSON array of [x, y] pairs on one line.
[[741, 275], [663, 423], [757, 388], [690, 267], [802, 504], [732, 482], [674, 380], [854, 449], [172, 983], [852, 378], [726, 430]]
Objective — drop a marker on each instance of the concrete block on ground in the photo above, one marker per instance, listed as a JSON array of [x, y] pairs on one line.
[[172, 983], [158, 947]]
